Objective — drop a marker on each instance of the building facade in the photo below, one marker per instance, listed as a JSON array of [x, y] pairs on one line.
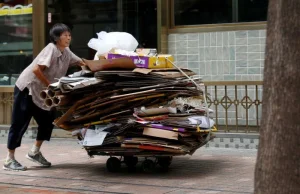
[[221, 40]]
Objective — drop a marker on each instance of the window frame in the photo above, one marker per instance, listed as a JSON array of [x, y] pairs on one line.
[[235, 26]]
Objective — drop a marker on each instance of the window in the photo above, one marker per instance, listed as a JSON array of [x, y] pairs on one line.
[[15, 39], [197, 12], [88, 17]]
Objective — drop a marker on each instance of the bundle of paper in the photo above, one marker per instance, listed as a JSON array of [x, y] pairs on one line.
[[139, 111]]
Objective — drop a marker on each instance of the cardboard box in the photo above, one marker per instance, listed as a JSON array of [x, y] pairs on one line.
[[154, 62], [160, 133]]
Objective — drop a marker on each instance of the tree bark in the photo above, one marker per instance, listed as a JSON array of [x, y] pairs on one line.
[[278, 162]]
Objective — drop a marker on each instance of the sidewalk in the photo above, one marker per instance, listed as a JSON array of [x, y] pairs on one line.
[[209, 170]]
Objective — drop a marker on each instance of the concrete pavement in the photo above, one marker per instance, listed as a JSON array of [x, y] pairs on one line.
[[209, 170]]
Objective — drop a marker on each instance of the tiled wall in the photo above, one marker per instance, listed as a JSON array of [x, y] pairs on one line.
[[224, 56], [218, 56]]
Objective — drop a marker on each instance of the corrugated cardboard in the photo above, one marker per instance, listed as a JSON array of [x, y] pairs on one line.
[[160, 133], [150, 62]]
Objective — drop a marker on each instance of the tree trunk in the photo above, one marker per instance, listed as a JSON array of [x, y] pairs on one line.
[[278, 162]]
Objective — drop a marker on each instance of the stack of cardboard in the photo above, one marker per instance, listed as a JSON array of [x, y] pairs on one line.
[[141, 111]]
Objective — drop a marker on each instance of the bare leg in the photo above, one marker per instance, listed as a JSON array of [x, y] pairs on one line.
[[36, 147], [10, 154], [38, 143]]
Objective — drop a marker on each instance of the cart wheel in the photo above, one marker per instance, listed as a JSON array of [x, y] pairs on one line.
[[113, 164], [130, 161], [164, 162], [148, 166]]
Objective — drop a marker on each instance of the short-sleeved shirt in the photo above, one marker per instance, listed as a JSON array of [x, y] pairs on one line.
[[57, 64]]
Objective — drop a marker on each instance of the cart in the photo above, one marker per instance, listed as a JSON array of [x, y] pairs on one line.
[[130, 157]]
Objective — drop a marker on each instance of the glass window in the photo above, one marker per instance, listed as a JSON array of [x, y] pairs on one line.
[[15, 39], [194, 12], [197, 12], [88, 17], [252, 10]]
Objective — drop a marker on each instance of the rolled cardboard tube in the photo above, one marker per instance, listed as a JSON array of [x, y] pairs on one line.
[[49, 102], [60, 100], [43, 94], [50, 93], [55, 100]]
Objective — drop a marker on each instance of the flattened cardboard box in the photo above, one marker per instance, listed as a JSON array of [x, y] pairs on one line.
[[160, 133], [150, 62]]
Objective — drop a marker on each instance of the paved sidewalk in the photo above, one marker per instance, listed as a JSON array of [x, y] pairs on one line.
[[209, 170]]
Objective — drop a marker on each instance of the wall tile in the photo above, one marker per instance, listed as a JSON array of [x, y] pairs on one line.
[[201, 40], [220, 53], [229, 77], [262, 33], [181, 44], [201, 54], [232, 67], [226, 67], [193, 43], [225, 39], [241, 49], [181, 58], [218, 78], [207, 77], [172, 45], [193, 36], [181, 37], [213, 53], [213, 39], [241, 56], [220, 68], [219, 39], [193, 58], [207, 54], [232, 53], [254, 63], [252, 41], [226, 53], [207, 39], [253, 56], [241, 34], [192, 51], [241, 70], [253, 33], [241, 41], [208, 67], [231, 38], [214, 68], [254, 48], [181, 51], [193, 65], [202, 68]]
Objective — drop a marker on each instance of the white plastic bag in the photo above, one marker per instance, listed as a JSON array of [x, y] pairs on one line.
[[117, 40]]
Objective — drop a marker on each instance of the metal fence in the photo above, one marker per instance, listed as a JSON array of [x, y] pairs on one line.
[[237, 105]]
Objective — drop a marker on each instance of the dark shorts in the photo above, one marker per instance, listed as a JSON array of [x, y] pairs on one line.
[[23, 110]]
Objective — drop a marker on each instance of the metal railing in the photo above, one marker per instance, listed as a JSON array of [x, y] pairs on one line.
[[237, 105]]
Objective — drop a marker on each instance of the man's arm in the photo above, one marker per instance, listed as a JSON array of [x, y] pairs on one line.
[[38, 70]]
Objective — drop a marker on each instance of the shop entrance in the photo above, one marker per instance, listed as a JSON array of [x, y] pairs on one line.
[[87, 17]]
